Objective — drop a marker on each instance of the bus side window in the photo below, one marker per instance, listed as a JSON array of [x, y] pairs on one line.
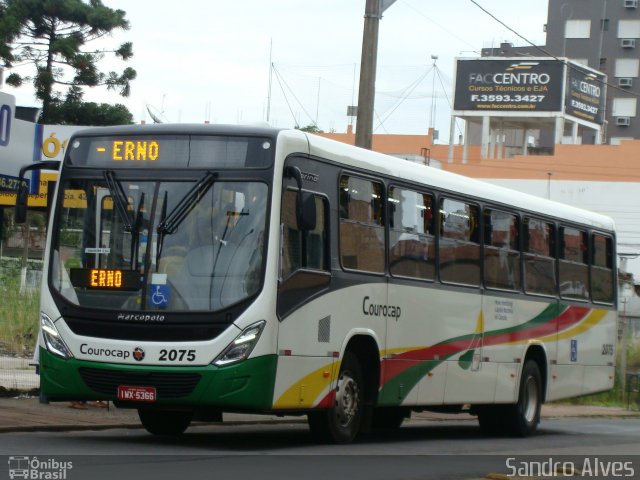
[[306, 250], [459, 245], [539, 257], [602, 278], [412, 243], [362, 236], [574, 269], [501, 250]]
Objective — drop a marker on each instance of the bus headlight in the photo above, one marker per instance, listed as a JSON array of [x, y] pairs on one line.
[[242, 346], [52, 338]]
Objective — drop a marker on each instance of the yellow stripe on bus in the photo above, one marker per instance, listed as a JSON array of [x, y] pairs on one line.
[[305, 392]]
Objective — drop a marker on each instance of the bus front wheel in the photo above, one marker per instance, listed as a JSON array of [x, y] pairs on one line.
[[164, 422], [341, 423]]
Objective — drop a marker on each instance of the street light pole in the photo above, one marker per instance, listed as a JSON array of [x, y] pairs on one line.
[[366, 92]]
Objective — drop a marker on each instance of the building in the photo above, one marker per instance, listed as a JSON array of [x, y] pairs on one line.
[[509, 104], [604, 35]]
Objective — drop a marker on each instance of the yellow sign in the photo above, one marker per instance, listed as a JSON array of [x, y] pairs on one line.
[[37, 200], [74, 199], [122, 150]]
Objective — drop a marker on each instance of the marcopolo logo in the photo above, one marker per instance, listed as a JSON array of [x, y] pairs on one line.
[[140, 317], [38, 469]]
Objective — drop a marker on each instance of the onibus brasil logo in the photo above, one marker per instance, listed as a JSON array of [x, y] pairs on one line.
[[38, 469]]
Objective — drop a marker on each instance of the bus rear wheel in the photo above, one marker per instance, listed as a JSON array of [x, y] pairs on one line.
[[341, 423], [525, 415], [520, 419], [164, 422]]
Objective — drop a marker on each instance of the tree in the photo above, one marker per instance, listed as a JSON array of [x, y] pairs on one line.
[[311, 128], [52, 35], [73, 111]]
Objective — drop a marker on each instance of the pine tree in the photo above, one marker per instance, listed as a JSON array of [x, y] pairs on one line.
[[52, 35]]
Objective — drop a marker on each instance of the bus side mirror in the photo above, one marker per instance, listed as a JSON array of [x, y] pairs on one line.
[[21, 204], [22, 194], [306, 211]]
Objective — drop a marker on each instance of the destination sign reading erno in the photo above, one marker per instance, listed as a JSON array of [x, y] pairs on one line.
[[509, 85], [105, 279]]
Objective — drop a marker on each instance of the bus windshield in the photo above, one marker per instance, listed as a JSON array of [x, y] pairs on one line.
[[131, 245]]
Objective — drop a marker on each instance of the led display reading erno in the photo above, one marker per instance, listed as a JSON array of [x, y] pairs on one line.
[[134, 150], [160, 150], [105, 278]]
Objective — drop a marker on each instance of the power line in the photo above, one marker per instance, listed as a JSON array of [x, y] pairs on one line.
[[448, 101], [547, 53], [437, 24], [409, 89], [278, 76], [284, 94]]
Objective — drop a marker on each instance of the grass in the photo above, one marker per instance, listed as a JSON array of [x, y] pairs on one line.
[[18, 314]]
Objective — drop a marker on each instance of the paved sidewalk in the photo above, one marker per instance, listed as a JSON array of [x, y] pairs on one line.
[[24, 414]]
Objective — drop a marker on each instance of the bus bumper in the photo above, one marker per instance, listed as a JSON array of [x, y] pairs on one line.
[[247, 385]]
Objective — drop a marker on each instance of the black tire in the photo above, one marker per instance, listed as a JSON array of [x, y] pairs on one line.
[[164, 422], [388, 418], [341, 423], [525, 415], [520, 419], [491, 419]]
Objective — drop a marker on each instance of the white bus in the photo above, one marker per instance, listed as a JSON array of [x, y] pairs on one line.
[[195, 270]]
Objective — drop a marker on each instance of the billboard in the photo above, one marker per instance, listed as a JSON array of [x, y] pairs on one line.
[[585, 94], [524, 86]]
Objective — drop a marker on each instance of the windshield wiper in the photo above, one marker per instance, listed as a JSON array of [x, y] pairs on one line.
[[135, 234], [171, 222], [163, 216], [119, 197]]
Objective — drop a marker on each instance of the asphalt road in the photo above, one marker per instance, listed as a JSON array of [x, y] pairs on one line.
[[421, 450]]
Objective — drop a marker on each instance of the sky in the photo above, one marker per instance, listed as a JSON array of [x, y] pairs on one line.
[[202, 61]]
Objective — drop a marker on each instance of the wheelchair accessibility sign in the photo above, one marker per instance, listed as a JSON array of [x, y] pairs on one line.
[[159, 291]]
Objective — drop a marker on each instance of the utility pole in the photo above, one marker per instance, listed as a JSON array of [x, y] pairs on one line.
[[366, 93]]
